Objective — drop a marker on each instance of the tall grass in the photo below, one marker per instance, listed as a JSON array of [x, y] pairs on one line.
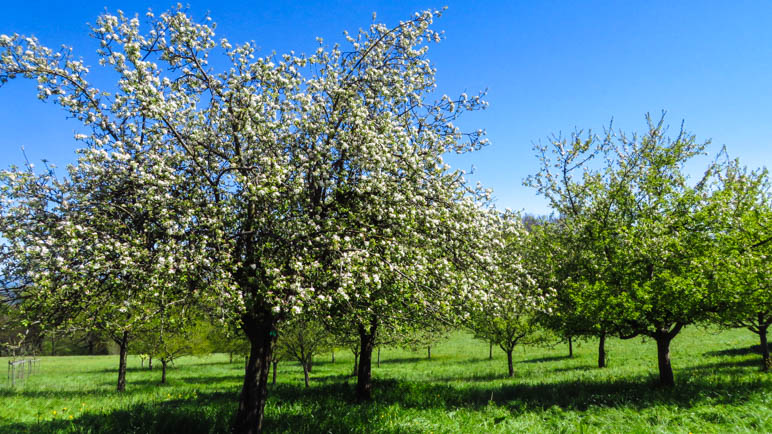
[[720, 389]]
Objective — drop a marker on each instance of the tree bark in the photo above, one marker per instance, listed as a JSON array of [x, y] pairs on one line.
[[570, 347], [509, 362], [163, 371], [150, 363], [429, 352], [305, 373], [364, 376], [766, 362], [663, 338], [261, 333], [602, 351], [124, 351]]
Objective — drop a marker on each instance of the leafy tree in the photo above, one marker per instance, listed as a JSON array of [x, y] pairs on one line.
[[644, 231], [301, 339], [296, 169], [745, 246]]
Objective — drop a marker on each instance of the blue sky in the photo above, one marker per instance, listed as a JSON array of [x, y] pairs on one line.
[[549, 67]]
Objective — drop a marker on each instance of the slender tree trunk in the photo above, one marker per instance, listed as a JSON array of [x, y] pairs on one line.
[[602, 350], [305, 373], [124, 351], [274, 363], [53, 344], [150, 363], [261, 333], [379, 357], [490, 350], [356, 362], [429, 352], [230, 357], [333, 355], [509, 362], [163, 371], [663, 339], [310, 364], [364, 377], [570, 347], [766, 362]]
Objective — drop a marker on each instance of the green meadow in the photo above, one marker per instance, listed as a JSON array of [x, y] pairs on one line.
[[720, 388]]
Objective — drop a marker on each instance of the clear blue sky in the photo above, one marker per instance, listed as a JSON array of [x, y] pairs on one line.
[[548, 66]]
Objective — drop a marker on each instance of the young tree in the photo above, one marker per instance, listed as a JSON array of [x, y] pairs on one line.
[[300, 167], [301, 339], [645, 230]]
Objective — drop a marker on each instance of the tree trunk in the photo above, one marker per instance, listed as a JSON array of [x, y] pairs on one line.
[[429, 352], [305, 373], [766, 362], [230, 357], [53, 345], [262, 336], [333, 355], [274, 363], [150, 363], [490, 351], [663, 339], [570, 347], [379, 357], [163, 371], [364, 376], [124, 351], [509, 363], [356, 363], [602, 351]]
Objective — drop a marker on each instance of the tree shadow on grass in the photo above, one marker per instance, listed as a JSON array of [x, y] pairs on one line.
[[545, 359], [753, 349], [329, 406]]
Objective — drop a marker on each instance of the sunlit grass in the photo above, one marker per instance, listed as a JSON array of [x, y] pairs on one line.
[[720, 389]]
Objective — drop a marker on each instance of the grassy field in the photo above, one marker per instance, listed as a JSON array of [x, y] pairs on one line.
[[720, 389]]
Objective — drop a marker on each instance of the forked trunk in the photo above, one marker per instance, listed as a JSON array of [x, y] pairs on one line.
[[509, 362], [364, 375], [163, 371], [663, 338], [262, 335], [124, 351], [602, 351], [570, 347]]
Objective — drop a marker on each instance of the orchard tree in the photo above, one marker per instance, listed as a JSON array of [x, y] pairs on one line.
[[745, 294], [646, 230], [299, 170], [509, 312], [301, 339]]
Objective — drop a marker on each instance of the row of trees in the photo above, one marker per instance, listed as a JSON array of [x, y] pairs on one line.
[[290, 187]]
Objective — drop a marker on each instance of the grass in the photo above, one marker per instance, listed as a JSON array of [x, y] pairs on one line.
[[720, 389]]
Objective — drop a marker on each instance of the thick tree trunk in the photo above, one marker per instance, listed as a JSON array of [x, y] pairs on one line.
[[766, 362], [663, 338], [509, 363], [570, 347], [262, 336], [124, 351], [163, 371], [429, 352], [305, 373], [364, 376], [602, 351], [490, 350], [274, 363]]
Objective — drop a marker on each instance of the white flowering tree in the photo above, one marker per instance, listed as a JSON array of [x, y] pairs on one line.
[[301, 170], [508, 313]]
